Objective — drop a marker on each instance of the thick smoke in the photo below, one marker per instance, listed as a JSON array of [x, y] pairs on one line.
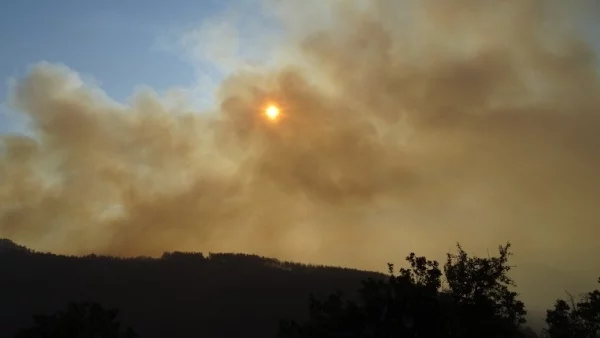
[[406, 126]]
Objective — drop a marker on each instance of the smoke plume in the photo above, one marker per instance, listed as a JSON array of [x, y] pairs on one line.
[[406, 126]]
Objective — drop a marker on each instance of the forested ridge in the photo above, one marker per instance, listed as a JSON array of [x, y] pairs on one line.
[[185, 294], [180, 294]]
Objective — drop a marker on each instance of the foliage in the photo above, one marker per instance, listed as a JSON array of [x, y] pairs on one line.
[[475, 301], [575, 319], [481, 291]]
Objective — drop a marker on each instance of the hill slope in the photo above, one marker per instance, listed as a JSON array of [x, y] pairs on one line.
[[179, 295]]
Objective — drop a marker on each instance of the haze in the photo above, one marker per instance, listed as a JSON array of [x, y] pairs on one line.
[[406, 126]]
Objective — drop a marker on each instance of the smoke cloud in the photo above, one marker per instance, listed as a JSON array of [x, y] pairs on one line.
[[406, 126]]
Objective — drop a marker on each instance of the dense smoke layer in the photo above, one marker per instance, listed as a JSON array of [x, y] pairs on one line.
[[406, 126]]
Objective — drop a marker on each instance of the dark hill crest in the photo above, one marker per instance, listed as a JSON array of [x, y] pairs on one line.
[[6, 245], [177, 295]]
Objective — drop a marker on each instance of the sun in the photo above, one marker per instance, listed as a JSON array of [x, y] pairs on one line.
[[272, 112]]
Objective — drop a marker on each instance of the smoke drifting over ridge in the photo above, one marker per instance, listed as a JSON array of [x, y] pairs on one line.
[[471, 121]]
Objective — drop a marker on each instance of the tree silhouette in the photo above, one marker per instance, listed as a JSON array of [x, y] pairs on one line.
[[484, 303], [579, 319], [80, 320], [474, 301]]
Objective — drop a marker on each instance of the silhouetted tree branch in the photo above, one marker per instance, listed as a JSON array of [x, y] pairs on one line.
[[580, 318], [477, 302]]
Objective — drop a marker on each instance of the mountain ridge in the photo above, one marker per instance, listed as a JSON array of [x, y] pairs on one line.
[[177, 295], [7, 245]]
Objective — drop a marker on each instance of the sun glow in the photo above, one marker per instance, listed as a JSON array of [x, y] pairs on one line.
[[272, 112]]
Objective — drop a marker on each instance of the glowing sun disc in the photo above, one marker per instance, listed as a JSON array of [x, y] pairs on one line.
[[272, 112]]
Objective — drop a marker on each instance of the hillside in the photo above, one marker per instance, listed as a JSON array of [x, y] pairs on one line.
[[6, 245], [177, 295]]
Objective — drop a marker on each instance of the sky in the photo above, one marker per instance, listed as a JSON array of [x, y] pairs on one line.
[[405, 126], [119, 45]]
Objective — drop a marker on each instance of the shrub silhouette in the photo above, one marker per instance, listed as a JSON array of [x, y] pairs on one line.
[[80, 320], [579, 319], [474, 299]]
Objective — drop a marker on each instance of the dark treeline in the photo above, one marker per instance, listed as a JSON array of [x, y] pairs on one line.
[[237, 295], [178, 295], [467, 297]]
